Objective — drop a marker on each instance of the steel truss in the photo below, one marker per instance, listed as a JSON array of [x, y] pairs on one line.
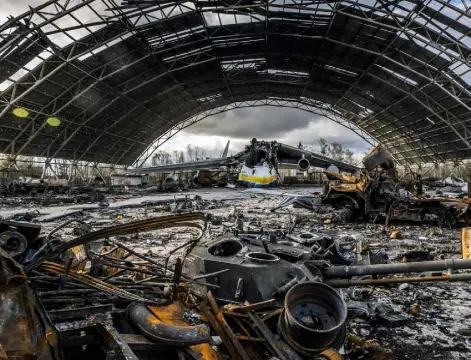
[[121, 75]]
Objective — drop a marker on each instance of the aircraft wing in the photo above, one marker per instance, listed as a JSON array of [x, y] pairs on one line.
[[188, 166], [291, 155]]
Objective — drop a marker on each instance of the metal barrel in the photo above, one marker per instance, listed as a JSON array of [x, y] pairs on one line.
[[313, 317], [381, 269]]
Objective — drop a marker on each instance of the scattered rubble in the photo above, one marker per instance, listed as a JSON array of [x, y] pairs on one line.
[[210, 275]]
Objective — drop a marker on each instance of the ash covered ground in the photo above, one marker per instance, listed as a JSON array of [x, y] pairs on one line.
[[431, 320]]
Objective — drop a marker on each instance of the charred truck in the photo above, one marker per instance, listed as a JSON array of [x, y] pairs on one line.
[[376, 190]]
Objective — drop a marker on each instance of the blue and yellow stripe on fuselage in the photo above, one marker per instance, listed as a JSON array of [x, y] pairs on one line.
[[257, 179]]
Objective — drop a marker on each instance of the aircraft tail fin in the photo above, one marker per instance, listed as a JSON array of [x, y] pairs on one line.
[[226, 150]]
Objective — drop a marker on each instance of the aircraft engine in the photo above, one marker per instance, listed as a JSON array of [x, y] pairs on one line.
[[303, 164]]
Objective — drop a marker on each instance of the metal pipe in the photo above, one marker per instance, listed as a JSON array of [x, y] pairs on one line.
[[172, 333], [379, 269], [344, 283]]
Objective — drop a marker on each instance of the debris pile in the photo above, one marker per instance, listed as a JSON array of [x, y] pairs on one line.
[[234, 282]]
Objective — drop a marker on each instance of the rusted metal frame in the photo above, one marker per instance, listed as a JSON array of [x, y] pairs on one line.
[[219, 330], [272, 314], [268, 335], [243, 328], [92, 282], [85, 312], [249, 338], [115, 343], [254, 307], [222, 322], [234, 314]]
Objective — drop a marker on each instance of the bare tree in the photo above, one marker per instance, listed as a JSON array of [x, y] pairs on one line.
[[161, 157], [332, 150], [190, 152], [180, 157]]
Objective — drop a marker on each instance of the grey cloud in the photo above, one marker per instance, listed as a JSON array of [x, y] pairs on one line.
[[261, 122], [284, 125]]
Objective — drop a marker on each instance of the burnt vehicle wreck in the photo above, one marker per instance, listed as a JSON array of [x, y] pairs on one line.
[[377, 190], [260, 294]]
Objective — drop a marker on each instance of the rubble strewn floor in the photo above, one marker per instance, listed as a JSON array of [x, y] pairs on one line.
[[432, 320]]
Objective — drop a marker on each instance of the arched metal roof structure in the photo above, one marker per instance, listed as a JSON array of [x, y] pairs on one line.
[[119, 74]]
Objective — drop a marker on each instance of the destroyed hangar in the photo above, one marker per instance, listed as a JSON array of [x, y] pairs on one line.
[[355, 261]]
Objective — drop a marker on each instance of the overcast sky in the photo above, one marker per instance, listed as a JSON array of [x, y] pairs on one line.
[[264, 123]]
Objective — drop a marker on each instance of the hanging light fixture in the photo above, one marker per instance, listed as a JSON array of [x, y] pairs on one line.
[[53, 121], [20, 112]]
